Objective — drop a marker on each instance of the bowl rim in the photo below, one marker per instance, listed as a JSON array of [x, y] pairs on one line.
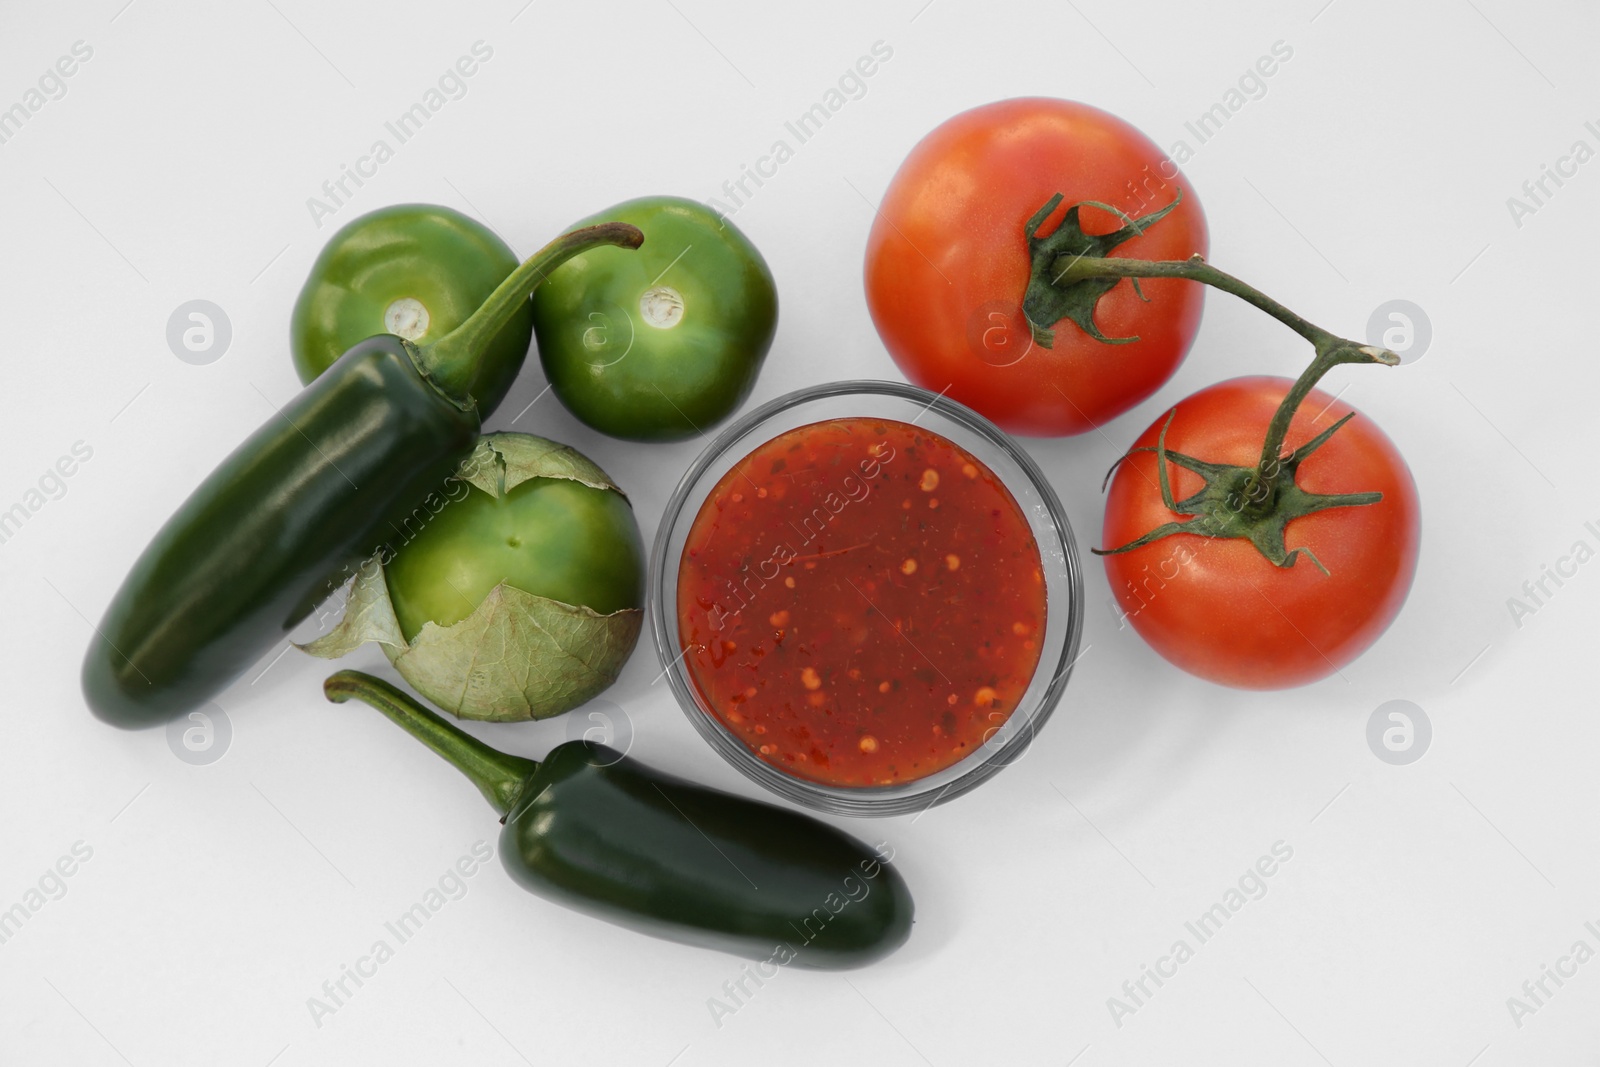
[[857, 800]]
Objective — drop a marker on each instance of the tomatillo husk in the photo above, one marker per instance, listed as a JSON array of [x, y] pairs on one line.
[[476, 608]]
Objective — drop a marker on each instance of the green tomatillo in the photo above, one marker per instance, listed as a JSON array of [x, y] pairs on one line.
[[416, 271], [517, 592], [663, 343]]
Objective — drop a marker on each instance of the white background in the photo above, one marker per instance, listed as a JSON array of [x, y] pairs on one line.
[[1377, 166]]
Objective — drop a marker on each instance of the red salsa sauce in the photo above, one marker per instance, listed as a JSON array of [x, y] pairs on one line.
[[861, 602]]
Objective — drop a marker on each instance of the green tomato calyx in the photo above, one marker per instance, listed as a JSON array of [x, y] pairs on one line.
[[1243, 502], [1257, 503], [1055, 291]]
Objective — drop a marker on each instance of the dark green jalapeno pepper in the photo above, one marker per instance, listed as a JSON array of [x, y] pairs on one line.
[[601, 833], [283, 520]]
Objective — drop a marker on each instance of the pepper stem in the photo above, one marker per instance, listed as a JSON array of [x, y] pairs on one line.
[[451, 362], [499, 776]]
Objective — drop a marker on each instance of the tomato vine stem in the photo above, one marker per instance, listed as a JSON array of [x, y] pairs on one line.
[[1331, 350], [1067, 269], [1071, 272]]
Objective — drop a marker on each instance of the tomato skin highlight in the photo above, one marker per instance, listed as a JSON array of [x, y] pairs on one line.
[[1217, 608], [947, 264]]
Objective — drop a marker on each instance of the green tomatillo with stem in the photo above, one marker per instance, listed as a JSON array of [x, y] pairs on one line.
[[287, 517], [665, 344], [416, 271], [594, 830]]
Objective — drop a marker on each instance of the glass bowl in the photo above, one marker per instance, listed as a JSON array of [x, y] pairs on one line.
[[1015, 469]]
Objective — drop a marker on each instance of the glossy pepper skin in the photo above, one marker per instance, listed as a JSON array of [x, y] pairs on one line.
[[271, 531], [286, 517], [416, 270], [603, 834]]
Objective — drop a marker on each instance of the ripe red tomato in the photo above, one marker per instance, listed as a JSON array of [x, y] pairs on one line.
[[1218, 608], [948, 263]]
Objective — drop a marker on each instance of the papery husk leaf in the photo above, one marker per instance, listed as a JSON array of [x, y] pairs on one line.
[[368, 616], [502, 461], [518, 656]]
